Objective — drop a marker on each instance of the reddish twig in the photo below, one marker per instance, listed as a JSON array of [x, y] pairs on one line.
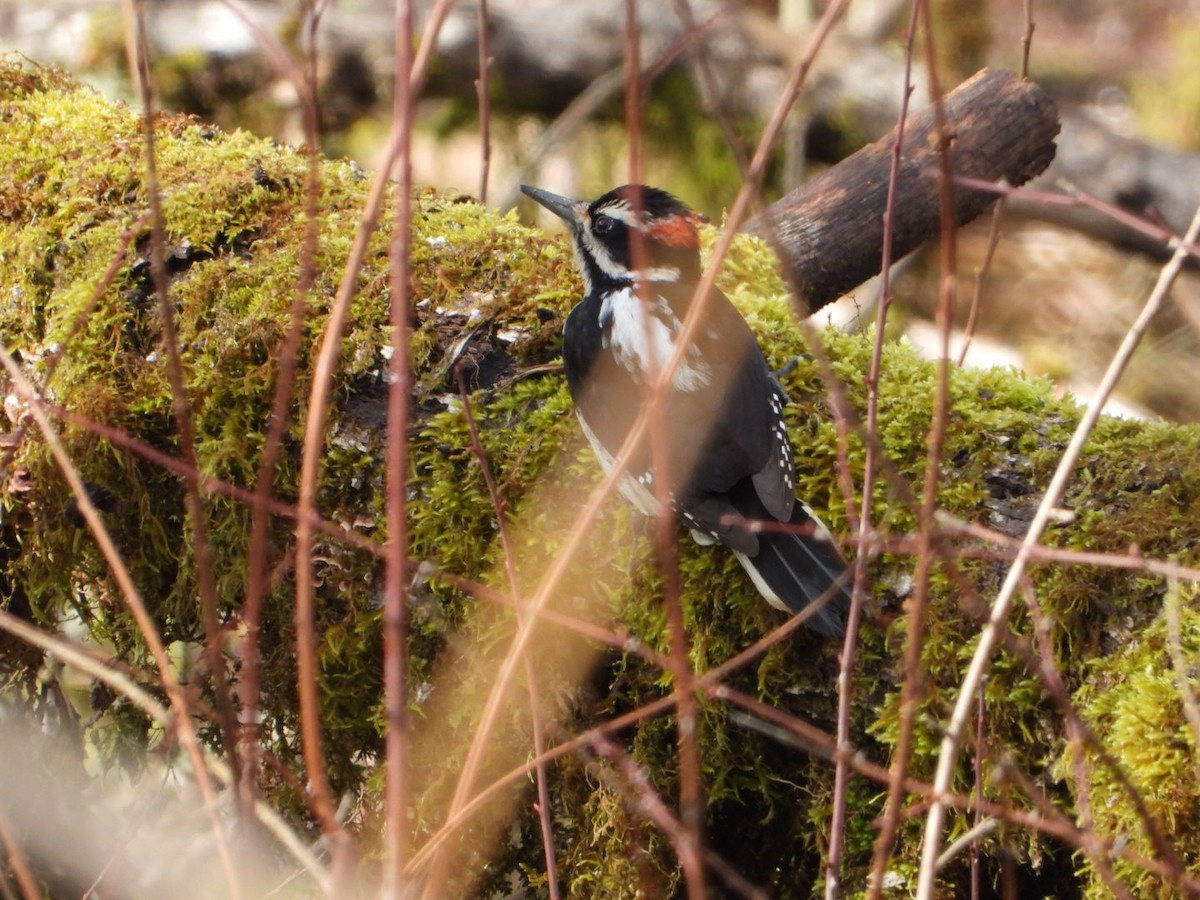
[[18, 862], [837, 825], [912, 684], [304, 79], [214, 638], [324, 370], [1152, 229], [482, 93], [395, 598], [138, 54], [600, 91], [510, 566], [988, 639], [1077, 737], [690, 846], [702, 682], [136, 605], [210, 484], [981, 273], [644, 800], [1041, 553]]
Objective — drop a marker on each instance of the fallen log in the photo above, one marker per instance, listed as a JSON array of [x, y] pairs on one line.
[[829, 231]]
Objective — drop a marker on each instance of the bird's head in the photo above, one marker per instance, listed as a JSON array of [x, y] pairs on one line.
[[605, 234]]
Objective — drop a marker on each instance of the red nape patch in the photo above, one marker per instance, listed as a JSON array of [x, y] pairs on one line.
[[678, 231]]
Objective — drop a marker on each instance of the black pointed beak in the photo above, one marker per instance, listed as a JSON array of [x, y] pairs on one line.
[[562, 207]]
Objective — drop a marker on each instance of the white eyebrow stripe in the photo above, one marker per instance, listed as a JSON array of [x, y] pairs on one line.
[[622, 212]]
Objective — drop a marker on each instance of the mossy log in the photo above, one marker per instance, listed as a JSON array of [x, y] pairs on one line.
[[490, 295]]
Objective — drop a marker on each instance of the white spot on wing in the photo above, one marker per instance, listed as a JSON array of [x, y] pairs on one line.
[[632, 488]]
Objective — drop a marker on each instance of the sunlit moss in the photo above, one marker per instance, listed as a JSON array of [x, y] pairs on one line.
[[1133, 703], [489, 293]]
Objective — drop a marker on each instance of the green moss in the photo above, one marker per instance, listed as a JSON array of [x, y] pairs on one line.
[[1166, 97], [1133, 700], [490, 294]]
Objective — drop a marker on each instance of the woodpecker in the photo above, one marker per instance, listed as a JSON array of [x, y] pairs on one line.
[[724, 453]]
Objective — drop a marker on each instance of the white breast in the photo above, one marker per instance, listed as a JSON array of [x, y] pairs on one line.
[[641, 337]]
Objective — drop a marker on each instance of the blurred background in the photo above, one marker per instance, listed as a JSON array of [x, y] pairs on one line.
[[1065, 281]]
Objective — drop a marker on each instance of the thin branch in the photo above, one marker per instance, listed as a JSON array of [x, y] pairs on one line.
[[214, 635], [981, 273], [82, 658], [483, 94], [133, 601], [210, 484], [400, 381], [841, 779], [510, 565], [913, 679], [1078, 736], [14, 856], [1132, 561], [1071, 196], [690, 845], [278, 420], [602, 89], [644, 801], [1027, 38], [952, 739], [310, 464]]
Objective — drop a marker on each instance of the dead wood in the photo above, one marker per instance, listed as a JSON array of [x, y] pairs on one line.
[[829, 231]]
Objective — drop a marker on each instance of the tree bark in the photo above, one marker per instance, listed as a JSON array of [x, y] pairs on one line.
[[829, 232]]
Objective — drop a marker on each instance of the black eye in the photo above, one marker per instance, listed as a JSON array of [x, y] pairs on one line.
[[604, 225]]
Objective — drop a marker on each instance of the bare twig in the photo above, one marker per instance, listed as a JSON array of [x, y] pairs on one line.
[[395, 599], [690, 843], [14, 856], [82, 658], [214, 636], [536, 607], [644, 800], [258, 557], [969, 840], [1078, 736], [482, 92], [1027, 38], [912, 686], [837, 826], [981, 273], [952, 739], [1071, 196], [310, 465], [510, 566], [599, 92], [980, 731], [210, 484], [135, 603]]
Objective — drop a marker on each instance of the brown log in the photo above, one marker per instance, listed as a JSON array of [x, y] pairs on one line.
[[829, 231]]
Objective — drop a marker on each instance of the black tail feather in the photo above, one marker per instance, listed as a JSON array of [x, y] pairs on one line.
[[799, 564]]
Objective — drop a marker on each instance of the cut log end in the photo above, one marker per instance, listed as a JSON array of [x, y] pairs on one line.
[[829, 231]]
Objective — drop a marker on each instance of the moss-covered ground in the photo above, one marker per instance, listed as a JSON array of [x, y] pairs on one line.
[[491, 294]]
